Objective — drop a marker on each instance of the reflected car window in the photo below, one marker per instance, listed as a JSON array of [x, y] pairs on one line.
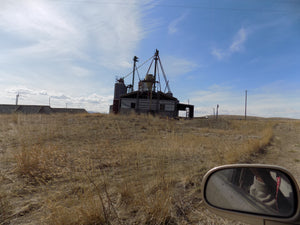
[[254, 190]]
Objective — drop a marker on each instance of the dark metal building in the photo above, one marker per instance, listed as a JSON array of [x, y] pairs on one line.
[[35, 109], [149, 97]]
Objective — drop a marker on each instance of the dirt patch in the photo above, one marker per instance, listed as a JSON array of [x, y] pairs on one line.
[[285, 148]]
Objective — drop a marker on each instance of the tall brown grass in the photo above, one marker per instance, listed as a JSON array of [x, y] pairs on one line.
[[108, 169], [5, 207]]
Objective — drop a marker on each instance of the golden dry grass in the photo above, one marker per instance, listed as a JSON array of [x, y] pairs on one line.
[[107, 169]]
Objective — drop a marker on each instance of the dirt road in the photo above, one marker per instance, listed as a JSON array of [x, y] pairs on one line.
[[285, 148]]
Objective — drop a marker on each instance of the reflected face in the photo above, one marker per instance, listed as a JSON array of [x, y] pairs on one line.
[[253, 190]]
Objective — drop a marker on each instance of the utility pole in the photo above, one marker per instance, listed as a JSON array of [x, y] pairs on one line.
[[217, 111], [156, 57], [214, 114], [245, 104], [135, 59], [17, 98]]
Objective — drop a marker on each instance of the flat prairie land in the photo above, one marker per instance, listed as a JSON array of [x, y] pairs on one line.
[[107, 169]]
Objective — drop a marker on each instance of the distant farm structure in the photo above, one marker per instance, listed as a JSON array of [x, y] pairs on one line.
[[36, 109], [149, 97]]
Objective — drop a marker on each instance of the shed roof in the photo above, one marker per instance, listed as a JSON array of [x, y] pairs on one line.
[[29, 109], [68, 110], [7, 109], [33, 109]]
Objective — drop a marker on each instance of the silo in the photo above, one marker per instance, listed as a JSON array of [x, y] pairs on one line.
[[120, 89], [149, 81]]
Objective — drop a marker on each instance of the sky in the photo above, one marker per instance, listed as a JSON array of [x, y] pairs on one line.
[[68, 53]]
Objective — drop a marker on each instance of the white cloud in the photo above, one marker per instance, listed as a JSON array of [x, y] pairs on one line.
[[32, 18], [173, 26], [79, 71], [28, 96], [60, 96], [68, 51], [92, 102], [43, 29], [237, 45], [25, 91]]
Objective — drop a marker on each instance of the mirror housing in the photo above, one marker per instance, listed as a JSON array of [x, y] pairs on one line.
[[252, 193]]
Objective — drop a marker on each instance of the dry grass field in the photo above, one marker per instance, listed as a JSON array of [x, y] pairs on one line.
[[107, 169]]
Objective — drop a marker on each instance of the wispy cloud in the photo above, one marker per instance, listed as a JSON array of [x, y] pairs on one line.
[[173, 26], [42, 29], [49, 29], [220, 54], [175, 66], [238, 42], [118, 34], [237, 45]]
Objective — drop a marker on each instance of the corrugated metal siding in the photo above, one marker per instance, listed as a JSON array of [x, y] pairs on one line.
[[144, 104], [164, 114]]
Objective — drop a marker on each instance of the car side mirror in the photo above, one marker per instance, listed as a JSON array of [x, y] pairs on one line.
[[252, 193]]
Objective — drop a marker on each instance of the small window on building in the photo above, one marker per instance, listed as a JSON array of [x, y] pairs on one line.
[[162, 107], [133, 105]]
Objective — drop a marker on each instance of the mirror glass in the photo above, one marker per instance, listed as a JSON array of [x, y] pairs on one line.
[[252, 190]]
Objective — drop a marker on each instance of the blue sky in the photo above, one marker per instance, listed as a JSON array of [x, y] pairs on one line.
[[212, 51]]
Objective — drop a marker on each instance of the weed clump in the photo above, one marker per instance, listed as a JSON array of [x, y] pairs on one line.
[[39, 163]]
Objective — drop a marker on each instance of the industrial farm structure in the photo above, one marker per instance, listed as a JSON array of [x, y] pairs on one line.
[[150, 96]]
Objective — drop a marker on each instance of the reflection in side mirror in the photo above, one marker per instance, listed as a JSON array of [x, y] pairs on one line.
[[255, 190]]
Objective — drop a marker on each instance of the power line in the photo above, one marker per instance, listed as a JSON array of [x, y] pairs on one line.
[[138, 67]]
